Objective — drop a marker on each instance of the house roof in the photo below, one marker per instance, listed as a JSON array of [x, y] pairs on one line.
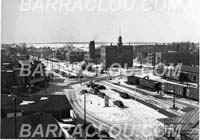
[[9, 64], [189, 124], [191, 69], [53, 103], [50, 104], [44, 119]]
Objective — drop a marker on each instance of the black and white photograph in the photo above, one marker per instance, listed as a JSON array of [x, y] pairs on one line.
[[100, 69]]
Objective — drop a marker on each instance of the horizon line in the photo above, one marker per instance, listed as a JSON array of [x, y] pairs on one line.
[[101, 42]]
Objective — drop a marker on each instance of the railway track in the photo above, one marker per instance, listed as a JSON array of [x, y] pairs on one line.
[[143, 98], [180, 103]]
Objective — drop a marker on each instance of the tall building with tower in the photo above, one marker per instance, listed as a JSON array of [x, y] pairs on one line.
[[120, 53], [92, 49], [94, 53]]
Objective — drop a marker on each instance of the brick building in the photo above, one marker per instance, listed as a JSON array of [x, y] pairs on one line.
[[93, 56], [187, 58], [10, 77], [122, 54], [186, 52]]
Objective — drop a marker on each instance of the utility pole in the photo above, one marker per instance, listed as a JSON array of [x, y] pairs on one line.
[[174, 101], [45, 86], [84, 114], [59, 65], [187, 79], [120, 75], [52, 66], [96, 71], [15, 109], [109, 73], [15, 118], [45, 82], [80, 75], [174, 106], [135, 94]]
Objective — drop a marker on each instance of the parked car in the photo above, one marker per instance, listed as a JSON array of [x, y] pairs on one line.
[[91, 84], [56, 70], [84, 91], [96, 90], [88, 85], [118, 103], [80, 76], [71, 76], [124, 95], [94, 85], [101, 94], [101, 87], [63, 74]]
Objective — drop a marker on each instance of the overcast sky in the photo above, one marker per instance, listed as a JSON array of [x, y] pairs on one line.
[[146, 22]]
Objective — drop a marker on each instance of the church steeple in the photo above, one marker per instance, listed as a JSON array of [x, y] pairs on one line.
[[120, 39], [119, 44]]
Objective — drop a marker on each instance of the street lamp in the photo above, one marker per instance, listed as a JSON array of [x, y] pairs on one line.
[[80, 75], [52, 66], [120, 77], [135, 94], [84, 110], [45, 82], [174, 100], [59, 65], [109, 74], [15, 108], [96, 71], [84, 124], [15, 117]]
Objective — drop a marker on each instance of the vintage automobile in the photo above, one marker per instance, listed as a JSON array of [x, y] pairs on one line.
[[118, 103]]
